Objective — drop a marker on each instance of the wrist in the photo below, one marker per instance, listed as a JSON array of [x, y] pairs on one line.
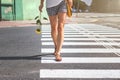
[[42, 2]]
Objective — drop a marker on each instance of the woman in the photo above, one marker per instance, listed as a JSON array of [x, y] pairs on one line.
[[56, 10]]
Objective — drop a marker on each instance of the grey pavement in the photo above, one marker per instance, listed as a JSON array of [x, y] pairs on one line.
[[18, 49]]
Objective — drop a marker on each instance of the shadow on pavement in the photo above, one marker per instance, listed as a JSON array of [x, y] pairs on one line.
[[36, 57]]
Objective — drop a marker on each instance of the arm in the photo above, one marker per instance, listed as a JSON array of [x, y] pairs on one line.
[[41, 5]]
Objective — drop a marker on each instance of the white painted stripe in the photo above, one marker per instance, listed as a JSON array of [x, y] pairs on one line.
[[90, 26], [72, 31], [86, 33], [108, 39], [82, 60], [96, 32], [93, 29], [75, 33], [80, 50], [91, 32], [79, 73], [78, 35], [105, 31], [100, 29], [68, 35], [84, 43], [90, 29]]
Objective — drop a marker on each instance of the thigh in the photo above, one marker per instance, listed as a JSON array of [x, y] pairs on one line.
[[61, 17], [62, 12], [53, 21]]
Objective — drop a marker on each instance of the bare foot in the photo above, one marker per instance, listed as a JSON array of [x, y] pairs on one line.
[[58, 57]]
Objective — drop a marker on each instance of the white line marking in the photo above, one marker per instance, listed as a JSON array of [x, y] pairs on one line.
[[82, 50], [115, 39], [83, 43], [82, 60], [102, 31], [79, 73], [86, 33], [78, 35], [107, 39], [72, 31]]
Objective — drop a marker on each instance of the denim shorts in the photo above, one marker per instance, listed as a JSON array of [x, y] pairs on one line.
[[56, 9]]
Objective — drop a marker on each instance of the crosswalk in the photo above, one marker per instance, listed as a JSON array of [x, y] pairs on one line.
[[90, 52]]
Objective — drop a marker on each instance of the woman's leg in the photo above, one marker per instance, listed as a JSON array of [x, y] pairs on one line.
[[60, 36], [54, 32]]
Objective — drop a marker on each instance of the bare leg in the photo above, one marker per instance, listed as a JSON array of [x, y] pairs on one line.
[[60, 36], [57, 32], [54, 31]]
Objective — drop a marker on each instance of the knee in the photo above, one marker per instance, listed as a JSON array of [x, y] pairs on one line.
[[54, 30], [61, 27], [61, 24]]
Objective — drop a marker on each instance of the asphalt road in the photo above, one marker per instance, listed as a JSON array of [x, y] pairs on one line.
[[90, 52], [18, 46]]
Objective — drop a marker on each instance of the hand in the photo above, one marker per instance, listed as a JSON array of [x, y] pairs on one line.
[[41, 7], [70, 2]]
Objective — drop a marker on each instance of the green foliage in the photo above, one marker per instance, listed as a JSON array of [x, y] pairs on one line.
[[38, 20], [36, 17], [45, 18]]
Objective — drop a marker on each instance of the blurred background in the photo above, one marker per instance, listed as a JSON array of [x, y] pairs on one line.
[[28, 9], [100, 6]]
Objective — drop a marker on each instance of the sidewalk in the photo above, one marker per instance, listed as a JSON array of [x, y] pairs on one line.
[[17, 23], [107, 19]]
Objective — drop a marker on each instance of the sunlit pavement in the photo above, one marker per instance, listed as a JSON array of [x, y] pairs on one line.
[[108, 19], [90, 52]]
